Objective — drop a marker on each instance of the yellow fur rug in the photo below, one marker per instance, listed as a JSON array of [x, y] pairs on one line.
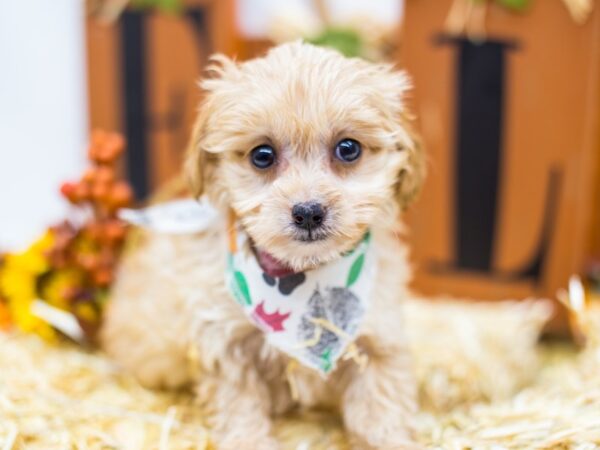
[[484, 383]]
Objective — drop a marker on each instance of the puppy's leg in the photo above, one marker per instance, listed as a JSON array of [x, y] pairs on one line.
[[146, 339], [380, 402], [239, 412], [147, 322]]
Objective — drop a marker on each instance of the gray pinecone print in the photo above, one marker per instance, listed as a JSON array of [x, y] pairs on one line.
[[340, 307]]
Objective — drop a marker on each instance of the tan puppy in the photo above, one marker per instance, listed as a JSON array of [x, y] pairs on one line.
[[301, 126]]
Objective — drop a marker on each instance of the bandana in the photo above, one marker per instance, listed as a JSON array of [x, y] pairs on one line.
[[313, 316]]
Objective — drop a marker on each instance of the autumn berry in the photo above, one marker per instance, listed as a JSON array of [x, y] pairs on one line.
[[68, 191], [115, 230], [102, 277], [82, 193], [121, 195], [104, 175]]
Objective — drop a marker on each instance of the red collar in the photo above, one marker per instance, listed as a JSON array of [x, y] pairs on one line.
[[272, 266]]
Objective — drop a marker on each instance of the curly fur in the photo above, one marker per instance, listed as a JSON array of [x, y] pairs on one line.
[[170, 295]]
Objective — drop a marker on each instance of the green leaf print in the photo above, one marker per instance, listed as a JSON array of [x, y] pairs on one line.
[[355, 270], [326, 360], [242, 287]]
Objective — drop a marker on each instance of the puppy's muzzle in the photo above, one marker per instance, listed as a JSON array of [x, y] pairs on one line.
[[308, 216]]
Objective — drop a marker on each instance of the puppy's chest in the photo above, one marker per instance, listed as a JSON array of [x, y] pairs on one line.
[[293, 385]]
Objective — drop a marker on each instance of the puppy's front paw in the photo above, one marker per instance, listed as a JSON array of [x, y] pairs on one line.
[[401, 441], [250, 442], [379, 409], [382, 431], [379, 434]]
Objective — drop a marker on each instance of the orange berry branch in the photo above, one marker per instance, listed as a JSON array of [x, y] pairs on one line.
[[76, 260]]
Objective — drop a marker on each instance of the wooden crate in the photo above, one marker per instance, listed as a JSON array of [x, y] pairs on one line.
[[143, 73], [511, 126]]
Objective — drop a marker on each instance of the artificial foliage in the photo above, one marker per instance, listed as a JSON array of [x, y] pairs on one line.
[[514, 5], [68, 270], [345, 40], [168, 6]]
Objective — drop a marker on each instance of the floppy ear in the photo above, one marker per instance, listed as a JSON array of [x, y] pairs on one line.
[[405, 140], [196, 159], [412, 174], [199, 163]]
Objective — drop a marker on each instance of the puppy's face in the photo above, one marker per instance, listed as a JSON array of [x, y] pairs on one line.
[[308, 148]]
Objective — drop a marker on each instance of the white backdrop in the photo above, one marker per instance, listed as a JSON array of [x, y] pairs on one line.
[[43, 112], [255, 16]]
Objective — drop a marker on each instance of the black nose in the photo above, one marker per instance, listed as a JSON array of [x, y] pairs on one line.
[[308, 216]]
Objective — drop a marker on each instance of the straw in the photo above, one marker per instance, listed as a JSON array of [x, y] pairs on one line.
[[484, 384]]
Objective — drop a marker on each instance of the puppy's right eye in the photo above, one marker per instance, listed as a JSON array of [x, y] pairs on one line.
[[263, 156], [348, 150]]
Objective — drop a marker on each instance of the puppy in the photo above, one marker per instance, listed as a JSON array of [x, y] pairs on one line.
[[310, 155]]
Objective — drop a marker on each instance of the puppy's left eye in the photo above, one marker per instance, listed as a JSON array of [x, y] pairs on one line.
[[348, 150], [263, 156]]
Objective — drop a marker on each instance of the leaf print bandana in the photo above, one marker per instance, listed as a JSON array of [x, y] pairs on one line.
[[313, 316]]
